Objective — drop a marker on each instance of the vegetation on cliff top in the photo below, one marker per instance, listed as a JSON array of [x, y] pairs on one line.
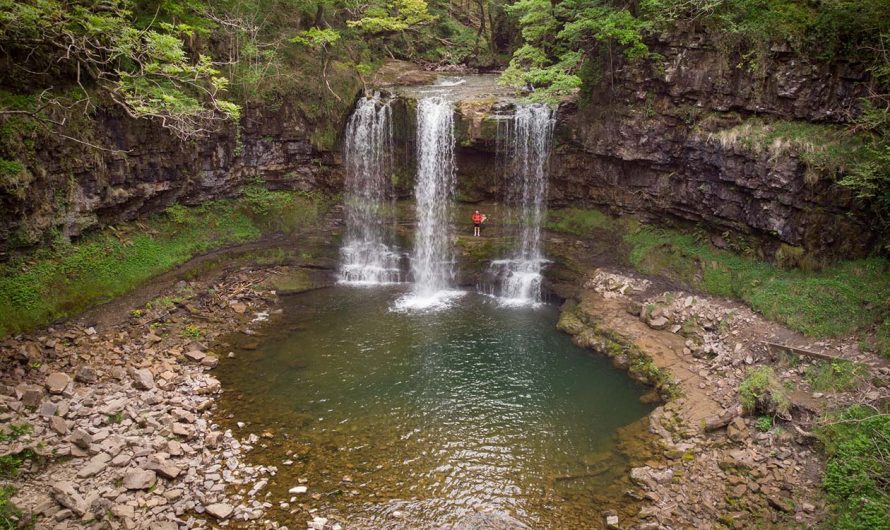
[[67, 278]]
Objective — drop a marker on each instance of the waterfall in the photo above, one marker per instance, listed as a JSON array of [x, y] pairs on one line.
[[525, 146], [365, 257], [432, 257]]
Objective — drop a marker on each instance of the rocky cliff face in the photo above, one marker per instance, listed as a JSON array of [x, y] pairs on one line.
[[141, 169], [666, 140], [671, 141]]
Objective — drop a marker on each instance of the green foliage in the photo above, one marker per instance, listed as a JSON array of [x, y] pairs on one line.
[[764, 423], [395, 15], [11, 517], [59, 281], [836, 300], [147, 70], [317, 38], [14, 178], [555, 37], [191, 331], [11, 463], [14, 431], [827, 150], [857, 442], [835, 376], [762, 392]]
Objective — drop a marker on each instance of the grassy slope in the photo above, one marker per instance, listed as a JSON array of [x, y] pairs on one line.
[[68, 278], [841, 299]]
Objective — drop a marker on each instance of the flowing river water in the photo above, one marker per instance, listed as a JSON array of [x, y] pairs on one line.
[[474, 416]]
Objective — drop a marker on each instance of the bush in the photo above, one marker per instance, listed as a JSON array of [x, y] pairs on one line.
[[762, 392], [764, 423]]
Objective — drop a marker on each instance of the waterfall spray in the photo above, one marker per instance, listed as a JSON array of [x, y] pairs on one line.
[[524, 145], [365, 257], [432, 258]]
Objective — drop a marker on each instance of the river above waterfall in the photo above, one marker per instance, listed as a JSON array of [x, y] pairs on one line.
[[477, 416]]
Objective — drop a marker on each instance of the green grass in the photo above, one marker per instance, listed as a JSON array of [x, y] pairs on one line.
[[576, 221], [65, 279], [835, 376], [857, 443], [840, 299], [825, 149]]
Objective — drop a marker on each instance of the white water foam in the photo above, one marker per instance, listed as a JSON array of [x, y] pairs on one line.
[[432, 261], [367, 257], [524, 145]]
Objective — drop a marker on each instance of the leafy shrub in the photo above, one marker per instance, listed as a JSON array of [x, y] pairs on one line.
[[764, 423], [762, 392]]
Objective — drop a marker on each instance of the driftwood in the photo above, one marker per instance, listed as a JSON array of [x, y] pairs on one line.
[[772, 346], [718, 422]]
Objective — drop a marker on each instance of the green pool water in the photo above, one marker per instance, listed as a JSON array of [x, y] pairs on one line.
[[475, 416]]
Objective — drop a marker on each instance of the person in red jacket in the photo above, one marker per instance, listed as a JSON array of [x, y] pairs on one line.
[[478, 219]]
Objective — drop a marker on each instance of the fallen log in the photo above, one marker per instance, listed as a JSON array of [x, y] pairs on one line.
[[773, 346]]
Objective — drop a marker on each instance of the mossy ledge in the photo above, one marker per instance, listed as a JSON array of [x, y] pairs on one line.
[[622, 351]]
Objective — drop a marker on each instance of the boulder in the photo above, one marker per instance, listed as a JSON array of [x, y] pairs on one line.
[[195, 355], [86, 374], [31, 395], [96, 465], [658, 323], [58, 424], [737, 430], [67, 495], [142, 378], [56, 382], [140, 479], [220, 510], [81, 439]]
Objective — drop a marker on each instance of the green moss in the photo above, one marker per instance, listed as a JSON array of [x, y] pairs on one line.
[[857, 442], [67, 278]]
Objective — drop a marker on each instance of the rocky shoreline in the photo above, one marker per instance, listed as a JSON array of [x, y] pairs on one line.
[[116, 426], [719, 467]]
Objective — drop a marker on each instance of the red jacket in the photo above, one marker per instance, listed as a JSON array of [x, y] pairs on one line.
[[477, 218]]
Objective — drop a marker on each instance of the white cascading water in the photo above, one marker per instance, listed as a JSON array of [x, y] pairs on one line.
[[365, 257], [526, 148], [432, 258]]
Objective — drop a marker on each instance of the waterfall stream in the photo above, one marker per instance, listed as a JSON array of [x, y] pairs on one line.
[[524, 145], [432, 258], [366, 257]]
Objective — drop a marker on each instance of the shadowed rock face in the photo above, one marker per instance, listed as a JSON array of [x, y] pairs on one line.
[[78, 188], [641, 143]]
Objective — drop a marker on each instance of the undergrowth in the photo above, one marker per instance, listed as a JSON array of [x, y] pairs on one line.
[[10, 514], [857, 442], [66, 278]]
